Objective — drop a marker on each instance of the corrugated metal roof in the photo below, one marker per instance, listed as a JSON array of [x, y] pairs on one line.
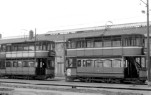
[[87, 33]]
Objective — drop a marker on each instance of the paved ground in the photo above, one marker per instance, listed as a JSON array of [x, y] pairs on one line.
[[19, 90]]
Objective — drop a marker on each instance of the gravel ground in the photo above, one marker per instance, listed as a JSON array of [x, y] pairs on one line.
[[13, 89]]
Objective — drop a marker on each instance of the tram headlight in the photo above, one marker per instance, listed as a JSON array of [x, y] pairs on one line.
[[68, 72]]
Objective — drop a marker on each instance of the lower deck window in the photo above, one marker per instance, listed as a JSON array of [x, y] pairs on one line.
[[99, 63]]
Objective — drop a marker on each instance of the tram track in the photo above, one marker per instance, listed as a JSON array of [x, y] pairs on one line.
[[76, 86]]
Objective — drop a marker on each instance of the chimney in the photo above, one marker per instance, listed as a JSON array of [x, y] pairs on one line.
[[31, 34]]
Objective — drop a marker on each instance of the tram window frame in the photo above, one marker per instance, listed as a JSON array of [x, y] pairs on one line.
[[118, 62], [49, 46], [116, 42], [79, 63], [73, 44], [20, 64], [44, 46], [53, 46], [14, 47], [89, 44], [25, 63], [68, 45], [8, 64], [31, 47], [31, 63], [143, 62], [3, 49], [106, 64], [20, 47], [138, 41], [80, 44], [98, 62], [88, 63], [107, 43], [25, 47], [98, 43], [15, 64], [70, 62], [2, 65]]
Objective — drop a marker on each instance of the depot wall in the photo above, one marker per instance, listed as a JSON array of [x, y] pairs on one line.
[[59, 60]]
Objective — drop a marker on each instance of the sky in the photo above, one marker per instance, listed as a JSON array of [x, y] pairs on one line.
[[18, 17]]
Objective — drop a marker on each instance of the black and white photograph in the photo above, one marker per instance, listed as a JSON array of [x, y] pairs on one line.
[[75, 47]]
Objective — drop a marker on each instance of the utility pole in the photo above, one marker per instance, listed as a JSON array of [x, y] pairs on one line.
[[148, 46], [35, 47]]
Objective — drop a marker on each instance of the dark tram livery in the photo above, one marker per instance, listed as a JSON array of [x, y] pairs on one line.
[[29, 59], [115, 59]]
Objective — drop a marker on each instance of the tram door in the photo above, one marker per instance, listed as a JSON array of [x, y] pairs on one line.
[[41, 66], [130, 70]]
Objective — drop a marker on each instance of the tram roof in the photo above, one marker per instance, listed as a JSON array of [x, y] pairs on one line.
[[87, 33]]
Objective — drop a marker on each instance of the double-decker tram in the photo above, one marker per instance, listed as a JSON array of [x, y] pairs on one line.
[[29, 59], [108, 58]]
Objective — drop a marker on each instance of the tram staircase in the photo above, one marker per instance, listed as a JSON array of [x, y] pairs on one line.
[[134, 67]]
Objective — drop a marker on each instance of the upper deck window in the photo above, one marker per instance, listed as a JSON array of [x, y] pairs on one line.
[[132, 41], [116, 42], [28, 46], [107, 43], [89, 44], [80, 44], [98, 43]]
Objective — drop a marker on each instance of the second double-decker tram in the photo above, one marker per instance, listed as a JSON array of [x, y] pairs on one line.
[[115, 58]]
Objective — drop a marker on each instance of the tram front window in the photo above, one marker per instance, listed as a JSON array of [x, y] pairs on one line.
[[71, 62]]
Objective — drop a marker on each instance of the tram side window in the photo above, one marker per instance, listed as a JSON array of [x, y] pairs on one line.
[[107, 43], [98, 44], [116, 42], [89, 44], [25, 47], [143, 63], [14, 48], [49, 46], [98, 63], [107, 63], [138, 41], [8, 48], [71, 44], [71, 62], [3, 48], [31, 48], [84, 63], [20, 47], [129, 41], [8, 64], [89, 63], [19, 63], [44, 46], [80, 44], [116, 63], [79, 63], [25, 64], [31, 64], [15, 64], [2, 64]]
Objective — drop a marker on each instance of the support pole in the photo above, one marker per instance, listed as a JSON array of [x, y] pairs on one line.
[[148, 46]]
